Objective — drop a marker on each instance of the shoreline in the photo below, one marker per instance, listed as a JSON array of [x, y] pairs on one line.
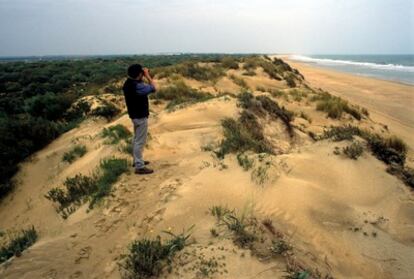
[[389, 102], [315, 65]]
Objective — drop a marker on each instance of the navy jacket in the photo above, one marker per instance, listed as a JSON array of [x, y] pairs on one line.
[[136, 97]]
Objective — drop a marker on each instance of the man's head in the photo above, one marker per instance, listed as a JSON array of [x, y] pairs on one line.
[[135, 71]]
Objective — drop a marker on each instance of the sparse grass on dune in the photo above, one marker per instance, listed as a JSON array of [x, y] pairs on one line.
[[230, 62], [110, 171], [193, 70], [238, 224], [81, 188], [244, 161], [178, 93], [243, 134], [261, 238], [276, 69], [106, 110], [239, 81], [18, 243], [263, 104], [75, 153], [392, 150], [354, 150], [335, 106], [116, 133], [147, 258]]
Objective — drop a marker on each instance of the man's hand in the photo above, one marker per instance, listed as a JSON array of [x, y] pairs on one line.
[[146, 73], [148, 77]]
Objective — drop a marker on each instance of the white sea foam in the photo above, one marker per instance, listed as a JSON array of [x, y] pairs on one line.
[[333, 62]]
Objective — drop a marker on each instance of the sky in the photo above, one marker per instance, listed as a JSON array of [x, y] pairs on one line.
[[92, 27]]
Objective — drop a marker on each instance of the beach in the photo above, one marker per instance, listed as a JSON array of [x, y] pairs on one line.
[[389, 102]]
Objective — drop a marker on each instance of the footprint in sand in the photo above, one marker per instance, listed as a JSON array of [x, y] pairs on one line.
[[50, 274], [83, 254]]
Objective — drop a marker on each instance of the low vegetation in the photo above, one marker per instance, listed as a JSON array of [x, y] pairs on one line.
[[230, 62], [239, 81], [261, 105], [335, 107], [147, 258], [115, 134], [178, 93], [38, 100], [80, 188], [193, 70], [238, 225], [244, 161], [392, 150], [106, 110], [276, 69], [243, 134], [18, 243], [354, 150], [74, 153]]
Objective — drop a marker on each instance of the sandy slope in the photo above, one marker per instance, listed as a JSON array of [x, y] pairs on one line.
[[347, 218]]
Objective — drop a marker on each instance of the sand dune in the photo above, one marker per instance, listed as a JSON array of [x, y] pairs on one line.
[[346, 218]]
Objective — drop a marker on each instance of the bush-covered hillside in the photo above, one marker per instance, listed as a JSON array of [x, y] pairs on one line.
[[35, 97]]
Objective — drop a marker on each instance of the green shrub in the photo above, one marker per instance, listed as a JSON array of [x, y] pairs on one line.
[[299, 275], [239, 81], [192, 69], [179, 93], [115, 134], [238, 225], [298, 94], [261, 105], [404, 173], [389, 150], [335, 106], [80, 188], [341, 133], [106, 110], [354, 150], [270, 69], [110, 171], [276, 93], [75, 153], [78, 110], [229, 62], [17, 244], [148, 257], [290, 80], [244, 134], [279, 247], [244, 161], [49, 106], [77, 189], [274, 110], [249, 73]]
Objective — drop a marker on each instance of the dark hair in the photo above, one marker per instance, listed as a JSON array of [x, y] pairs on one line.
[[134, 70]]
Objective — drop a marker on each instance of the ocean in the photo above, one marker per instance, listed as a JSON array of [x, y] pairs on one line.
[[398, 68]]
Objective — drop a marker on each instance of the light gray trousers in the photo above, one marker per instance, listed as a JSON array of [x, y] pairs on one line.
[[139, 140]]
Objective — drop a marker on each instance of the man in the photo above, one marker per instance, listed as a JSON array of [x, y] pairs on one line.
[[136, 93]]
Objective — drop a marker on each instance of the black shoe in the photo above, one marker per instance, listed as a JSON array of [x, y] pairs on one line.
[[145, 163], [143, 171]]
